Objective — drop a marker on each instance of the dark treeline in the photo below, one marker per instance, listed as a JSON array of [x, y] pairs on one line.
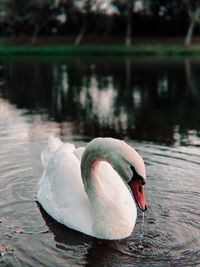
[[110, 18]]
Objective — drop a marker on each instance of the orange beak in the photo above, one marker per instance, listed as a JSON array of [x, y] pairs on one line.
[[138, 192]]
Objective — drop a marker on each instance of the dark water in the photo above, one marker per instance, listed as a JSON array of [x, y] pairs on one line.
[[153, 104]]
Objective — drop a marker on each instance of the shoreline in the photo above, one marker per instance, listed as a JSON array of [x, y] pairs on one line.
[[98, 47], [102, 50]]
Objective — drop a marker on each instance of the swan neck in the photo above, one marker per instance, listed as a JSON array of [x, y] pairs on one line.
[[113, 208], [99, 149], [91, 158]]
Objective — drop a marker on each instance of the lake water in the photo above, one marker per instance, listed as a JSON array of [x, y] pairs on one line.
[[153, 104]]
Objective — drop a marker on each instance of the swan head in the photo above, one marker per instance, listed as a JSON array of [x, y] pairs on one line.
[[130, 166], [125, 160]]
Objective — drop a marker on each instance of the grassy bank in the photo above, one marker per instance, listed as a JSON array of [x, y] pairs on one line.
[[112, 50]]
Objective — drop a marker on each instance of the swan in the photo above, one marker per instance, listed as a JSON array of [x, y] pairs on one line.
[[90, 189]]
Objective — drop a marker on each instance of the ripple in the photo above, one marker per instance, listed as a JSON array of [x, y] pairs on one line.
[[170, 236]]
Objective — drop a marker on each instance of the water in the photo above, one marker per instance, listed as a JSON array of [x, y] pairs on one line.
[[153, 104]]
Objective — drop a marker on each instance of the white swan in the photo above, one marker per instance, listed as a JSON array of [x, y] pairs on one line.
[[87, 189]]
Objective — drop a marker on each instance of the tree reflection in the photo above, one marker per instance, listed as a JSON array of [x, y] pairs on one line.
[[143, 99]]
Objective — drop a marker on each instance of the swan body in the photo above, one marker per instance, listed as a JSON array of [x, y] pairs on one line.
[[88, 189]]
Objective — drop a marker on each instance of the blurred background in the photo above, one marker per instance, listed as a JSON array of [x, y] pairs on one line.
[[97, 21]]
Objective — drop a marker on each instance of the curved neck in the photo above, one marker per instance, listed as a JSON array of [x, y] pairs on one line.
[[114, 211], [95, 152]]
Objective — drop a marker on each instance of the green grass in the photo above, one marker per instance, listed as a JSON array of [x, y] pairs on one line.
[[151, 50]]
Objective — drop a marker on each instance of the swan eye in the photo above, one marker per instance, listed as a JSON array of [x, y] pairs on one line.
[[137, 177], [140, 188]]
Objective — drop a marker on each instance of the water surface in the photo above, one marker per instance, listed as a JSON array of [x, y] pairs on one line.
[[153, 104]]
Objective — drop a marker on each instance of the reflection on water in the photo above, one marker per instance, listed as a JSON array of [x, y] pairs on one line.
[[153, 104], [145, 99]]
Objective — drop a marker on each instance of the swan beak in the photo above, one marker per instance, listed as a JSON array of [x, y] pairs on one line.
[[138, 192]]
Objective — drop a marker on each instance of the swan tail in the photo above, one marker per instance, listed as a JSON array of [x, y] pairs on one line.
[[53, 144]]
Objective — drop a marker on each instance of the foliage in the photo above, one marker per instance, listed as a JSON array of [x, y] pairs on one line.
[[108, 17]]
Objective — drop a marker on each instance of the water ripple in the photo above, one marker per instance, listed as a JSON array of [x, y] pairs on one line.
[[170, 236]]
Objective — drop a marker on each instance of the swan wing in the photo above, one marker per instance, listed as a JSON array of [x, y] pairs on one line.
[[61, 192], [53, 144]]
